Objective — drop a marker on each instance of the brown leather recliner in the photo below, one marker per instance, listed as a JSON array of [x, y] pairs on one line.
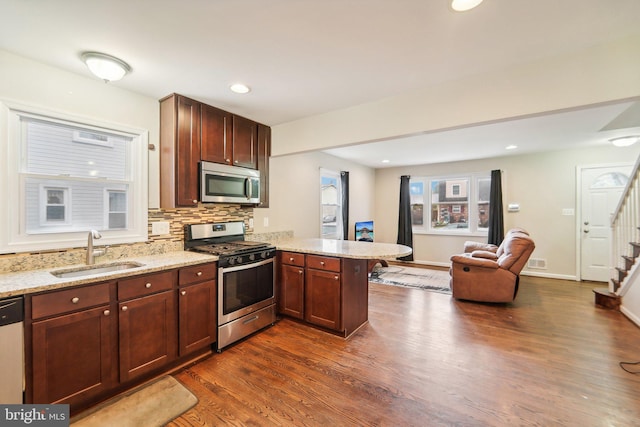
[[490, 273]]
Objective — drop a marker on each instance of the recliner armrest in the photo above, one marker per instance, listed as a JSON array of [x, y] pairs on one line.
[[475, 262], [470, 246], [484, 254]]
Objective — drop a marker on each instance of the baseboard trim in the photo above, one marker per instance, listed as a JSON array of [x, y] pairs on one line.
[[631, 316]]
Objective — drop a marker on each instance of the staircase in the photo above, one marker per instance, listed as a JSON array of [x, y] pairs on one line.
[[625, 248]]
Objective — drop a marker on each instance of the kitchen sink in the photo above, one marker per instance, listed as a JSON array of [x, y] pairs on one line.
[[95, 269]]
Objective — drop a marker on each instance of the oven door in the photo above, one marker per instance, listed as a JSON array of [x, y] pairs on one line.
[[244, 289]]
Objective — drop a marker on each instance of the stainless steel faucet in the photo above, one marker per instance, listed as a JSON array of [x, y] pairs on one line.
[[91, 253]]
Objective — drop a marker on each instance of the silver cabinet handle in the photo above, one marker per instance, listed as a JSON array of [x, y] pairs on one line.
[[195, 201], [300, 271], [183, 293], [336, 277], [199, 273], [106, 312], [322, 263], [75, 300], [290, 259], [125, 308], [148, 285]]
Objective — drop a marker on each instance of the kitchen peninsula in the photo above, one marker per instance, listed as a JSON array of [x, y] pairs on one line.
[[325, 282]]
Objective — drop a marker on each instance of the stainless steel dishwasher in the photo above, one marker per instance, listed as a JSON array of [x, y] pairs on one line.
[[12, 350]]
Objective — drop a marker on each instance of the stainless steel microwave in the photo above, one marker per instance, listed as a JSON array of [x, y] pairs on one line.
[[228, 184]]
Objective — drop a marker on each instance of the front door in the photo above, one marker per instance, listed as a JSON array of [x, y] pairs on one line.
[[601, 188]]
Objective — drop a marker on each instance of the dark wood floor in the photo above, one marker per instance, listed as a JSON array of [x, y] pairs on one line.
[[551, 358]]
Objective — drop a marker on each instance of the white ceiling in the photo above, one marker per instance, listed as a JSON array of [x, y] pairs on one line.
[[304, 57]]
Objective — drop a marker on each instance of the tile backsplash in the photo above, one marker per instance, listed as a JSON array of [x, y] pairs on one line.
[[173, 241]]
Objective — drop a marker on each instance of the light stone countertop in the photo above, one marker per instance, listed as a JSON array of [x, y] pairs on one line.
[[28, 282], [32, 281], [344, 248]]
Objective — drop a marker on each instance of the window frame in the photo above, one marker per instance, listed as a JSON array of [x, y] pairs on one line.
[[472, 204], [338, 235], [44, 204], [13, 235]]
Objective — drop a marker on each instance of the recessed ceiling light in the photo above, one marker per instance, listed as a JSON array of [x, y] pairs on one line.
[[239, 88], [511, 147], [385, 161], [625, 141], [107, 67], [464, 5]]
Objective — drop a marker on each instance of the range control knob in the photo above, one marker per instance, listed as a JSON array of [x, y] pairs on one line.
[[232, 260], [252, 257]]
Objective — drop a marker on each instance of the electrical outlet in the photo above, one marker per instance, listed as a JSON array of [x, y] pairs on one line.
[[250, 222], [265, 221], [160, 227]]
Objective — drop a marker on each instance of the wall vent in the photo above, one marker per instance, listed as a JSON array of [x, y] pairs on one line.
[[538, 263]]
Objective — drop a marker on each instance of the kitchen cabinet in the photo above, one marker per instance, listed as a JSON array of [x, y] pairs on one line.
[[291, 289], [216, 135], [264, 152], [245, 143], [197, 299], [323, 292], [332, 292], [147, 324], [190, 132], [73, 344], [180, 148], [87, 342]]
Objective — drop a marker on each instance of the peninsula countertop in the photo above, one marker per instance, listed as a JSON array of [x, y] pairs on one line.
[[27, 282], [344, 248]]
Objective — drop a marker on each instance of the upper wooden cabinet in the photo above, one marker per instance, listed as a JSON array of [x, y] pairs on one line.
[[245, 143], [216, 135], [191, 131], [264, 152], [179, 151]]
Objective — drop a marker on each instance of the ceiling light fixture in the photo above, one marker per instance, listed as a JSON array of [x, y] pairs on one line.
[[464, 5], [239, 88], [625, 141], [106, 67], [511, 147]]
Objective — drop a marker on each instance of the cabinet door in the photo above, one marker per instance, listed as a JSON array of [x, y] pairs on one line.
[[187, 152], [264, 152], [245, 142], [147, 334], [216, 135], [322, 298], [197, 316], [73, 356], [291, 291]]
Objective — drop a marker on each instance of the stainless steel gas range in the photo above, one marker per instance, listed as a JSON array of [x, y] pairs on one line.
[[246, 278]]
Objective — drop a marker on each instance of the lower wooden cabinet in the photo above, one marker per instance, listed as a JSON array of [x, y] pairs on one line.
[[147, 334], [74, 356], [330, 292], [322, 298], [87, 342], [197, 319]]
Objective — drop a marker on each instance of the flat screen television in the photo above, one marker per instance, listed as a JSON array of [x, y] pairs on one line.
[[364, 231]]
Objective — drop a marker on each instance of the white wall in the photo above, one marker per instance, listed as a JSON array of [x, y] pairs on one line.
[[543, 184], [600, 74], [33, 83], [294, 202]]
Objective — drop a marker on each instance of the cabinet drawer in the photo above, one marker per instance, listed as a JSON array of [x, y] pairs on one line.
[[60, 302], [293, 258], [145, 285], [323, 263], [197, 273]]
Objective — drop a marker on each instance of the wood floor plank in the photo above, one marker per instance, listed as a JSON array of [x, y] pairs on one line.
[[549, 358]]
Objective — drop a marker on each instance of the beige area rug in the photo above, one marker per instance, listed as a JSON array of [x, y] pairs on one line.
[[152, 404], [412, 277]]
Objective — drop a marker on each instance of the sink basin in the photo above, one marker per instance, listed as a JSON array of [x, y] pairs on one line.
[[95, 269]]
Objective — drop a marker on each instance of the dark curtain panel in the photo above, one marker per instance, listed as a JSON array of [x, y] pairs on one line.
[[496, 217], [405, 234], [344, 178]]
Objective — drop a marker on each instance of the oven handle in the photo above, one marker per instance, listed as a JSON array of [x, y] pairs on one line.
[[245, 266]]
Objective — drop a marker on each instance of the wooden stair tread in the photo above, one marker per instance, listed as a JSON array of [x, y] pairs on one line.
[[606, 299]]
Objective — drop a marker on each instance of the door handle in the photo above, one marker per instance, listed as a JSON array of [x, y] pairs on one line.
[[585, 230]]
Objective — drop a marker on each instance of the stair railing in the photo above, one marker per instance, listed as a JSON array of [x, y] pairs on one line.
[[625, 234]]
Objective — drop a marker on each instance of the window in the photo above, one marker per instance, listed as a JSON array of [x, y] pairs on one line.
[[68, 176], [330, 205], [450, 204]]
